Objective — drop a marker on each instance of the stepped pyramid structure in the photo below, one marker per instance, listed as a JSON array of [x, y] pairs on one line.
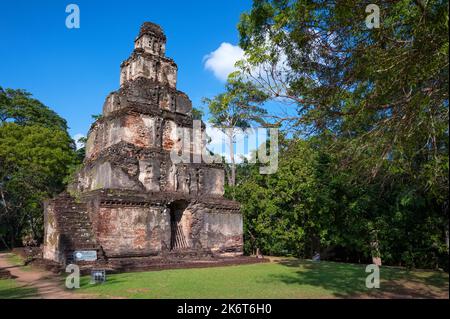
[[130, 199]]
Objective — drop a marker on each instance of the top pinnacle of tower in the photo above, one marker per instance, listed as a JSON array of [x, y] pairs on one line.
[[153, 29]]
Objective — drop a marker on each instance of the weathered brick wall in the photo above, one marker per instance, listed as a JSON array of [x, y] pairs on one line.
[[148, 58], [52, 249], [67, 228], [127, 167], [218, 229], [131, 230], [136, 129], [223, 230], [147, 65], [124, 226]]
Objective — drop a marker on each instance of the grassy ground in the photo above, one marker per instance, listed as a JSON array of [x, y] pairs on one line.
[[285, 279], [10, 289], [18, 260]]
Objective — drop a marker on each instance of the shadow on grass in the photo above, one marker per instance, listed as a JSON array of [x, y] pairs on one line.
[[336, 279], [348, 280], [437, 280], [342, 280], [11, 291], [111, 282]]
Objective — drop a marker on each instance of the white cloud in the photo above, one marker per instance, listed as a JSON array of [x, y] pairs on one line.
[[76, 137], [221, 61]]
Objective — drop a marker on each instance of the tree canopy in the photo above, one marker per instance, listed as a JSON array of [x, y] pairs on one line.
[[235, 110], [36, 154], [20, 107], [365, 170], [378, 88]]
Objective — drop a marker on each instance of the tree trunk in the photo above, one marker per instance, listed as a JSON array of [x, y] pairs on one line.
[[4, 243], [447, 238], [376, 256], [232, 181], [12, 241]]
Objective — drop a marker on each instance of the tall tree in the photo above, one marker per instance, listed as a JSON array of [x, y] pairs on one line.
[[234, 111], [35, 155]]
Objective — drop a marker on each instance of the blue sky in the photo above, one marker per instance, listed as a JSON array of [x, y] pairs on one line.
[[73, 70]]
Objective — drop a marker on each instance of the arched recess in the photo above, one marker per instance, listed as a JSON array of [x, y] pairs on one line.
[[180, 225]]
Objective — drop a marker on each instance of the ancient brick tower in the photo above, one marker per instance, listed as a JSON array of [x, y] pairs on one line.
[[130, 199]]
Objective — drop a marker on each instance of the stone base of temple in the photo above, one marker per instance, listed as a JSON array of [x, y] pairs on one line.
[[112, 225], [159, 263], [134, 264]]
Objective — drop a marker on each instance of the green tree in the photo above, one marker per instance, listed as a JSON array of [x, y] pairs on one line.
[[311, 206], [377, 100], [235, 110], [81, 152], [19, 107], [35, 155], [378, 87], [282, 211]]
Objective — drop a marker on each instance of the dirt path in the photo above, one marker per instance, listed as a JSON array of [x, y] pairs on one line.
[[48, 285]]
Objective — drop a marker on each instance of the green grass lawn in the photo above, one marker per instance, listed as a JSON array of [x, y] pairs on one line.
[[287, 279], [10, 289], [19, 261]]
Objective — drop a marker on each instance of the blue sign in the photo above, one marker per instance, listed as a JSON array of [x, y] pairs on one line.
[[85, 255]]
